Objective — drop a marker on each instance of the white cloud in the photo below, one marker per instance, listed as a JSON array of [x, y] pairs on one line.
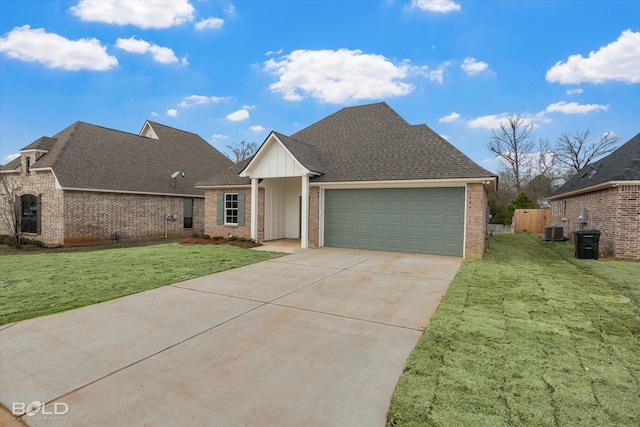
[[575, 108], [11, 157], [143, 14], [436, 75], [238, 116], [55, 51], [273, 52], [184, 60], [339, 76], [616, 61], [438, 6], [210, 24], [574, 91], [192, 100], [493, 121], [230, 10], [172, 112], [256, 128], [217, 136], [164, 55], [449, 118], [471, 66], [154, 114], [248, 107]]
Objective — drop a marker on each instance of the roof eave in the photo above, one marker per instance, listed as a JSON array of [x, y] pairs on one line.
[[147, 193], [490, 182], [204, 186], [596, 187]]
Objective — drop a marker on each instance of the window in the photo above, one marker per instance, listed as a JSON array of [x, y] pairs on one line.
[[231, 208], [28, 164], [188, 213], [29, 217]]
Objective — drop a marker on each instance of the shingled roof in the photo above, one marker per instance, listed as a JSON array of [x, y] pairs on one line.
[[89, 157], [373, 143], [621, 165]]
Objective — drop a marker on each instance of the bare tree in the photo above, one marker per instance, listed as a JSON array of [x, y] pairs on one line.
[[10, 208], [578, 150], [514, 144], [242, 150]]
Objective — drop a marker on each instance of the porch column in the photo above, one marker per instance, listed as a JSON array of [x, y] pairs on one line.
[[304, 227], [254, 209]]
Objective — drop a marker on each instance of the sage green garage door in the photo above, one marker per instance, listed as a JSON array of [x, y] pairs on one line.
[[419, 220]]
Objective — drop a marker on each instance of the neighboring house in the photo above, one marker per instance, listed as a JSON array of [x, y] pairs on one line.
[[609, 190], [88, 182], [361, 178]]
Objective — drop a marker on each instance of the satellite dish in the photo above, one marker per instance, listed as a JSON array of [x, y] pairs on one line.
[[175, 174]]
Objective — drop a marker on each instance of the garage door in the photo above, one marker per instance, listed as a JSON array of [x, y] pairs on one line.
[[420, 220]]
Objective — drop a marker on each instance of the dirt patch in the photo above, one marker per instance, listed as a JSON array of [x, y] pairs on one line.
[[240, 242], [203, 241], [87, 246]]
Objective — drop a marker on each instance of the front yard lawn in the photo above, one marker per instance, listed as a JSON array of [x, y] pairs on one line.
[[39, 284], [528, 336]]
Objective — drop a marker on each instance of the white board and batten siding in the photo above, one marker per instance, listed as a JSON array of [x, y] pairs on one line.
[[275, 161]]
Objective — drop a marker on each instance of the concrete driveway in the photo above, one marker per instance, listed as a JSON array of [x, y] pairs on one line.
[[316, 338]]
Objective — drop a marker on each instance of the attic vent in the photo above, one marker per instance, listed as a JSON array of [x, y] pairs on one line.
[[150, 134], [147, 132], [588, 174]]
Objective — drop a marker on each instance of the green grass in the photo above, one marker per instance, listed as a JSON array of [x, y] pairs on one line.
[[39, 284], [528, 336]]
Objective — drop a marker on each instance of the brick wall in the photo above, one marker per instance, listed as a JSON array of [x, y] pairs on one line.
[[627, 243], [615, 211], [314, 217], [211, 226], [476, 220], [42, 183], [93, 216]]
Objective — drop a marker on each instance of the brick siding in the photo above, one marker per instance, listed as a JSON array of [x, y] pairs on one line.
[[211, 226], [476, 220], [314, 217], [93, 216], [615, 211], [82, 216], [42, 183]]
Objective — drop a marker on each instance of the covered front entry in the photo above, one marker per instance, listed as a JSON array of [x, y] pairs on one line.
[[282, 208], [286, 182], [419, 220]]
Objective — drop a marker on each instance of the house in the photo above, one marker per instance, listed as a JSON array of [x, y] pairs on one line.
[[605, 196], [88, 182], [360, 178]]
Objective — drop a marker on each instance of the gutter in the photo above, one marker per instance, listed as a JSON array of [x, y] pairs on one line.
[[601, 186]]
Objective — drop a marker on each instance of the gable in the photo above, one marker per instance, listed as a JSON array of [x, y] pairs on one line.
[[148, 132], [274, 160], [94, 158]]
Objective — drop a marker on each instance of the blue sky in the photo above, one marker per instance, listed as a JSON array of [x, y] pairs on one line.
[[235, 70]]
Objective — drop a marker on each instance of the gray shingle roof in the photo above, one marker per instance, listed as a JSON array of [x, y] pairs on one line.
[[306, 154], [621, 165], [12, 166], [373, 143], [228, 176], [86, 156], [43, 143]]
